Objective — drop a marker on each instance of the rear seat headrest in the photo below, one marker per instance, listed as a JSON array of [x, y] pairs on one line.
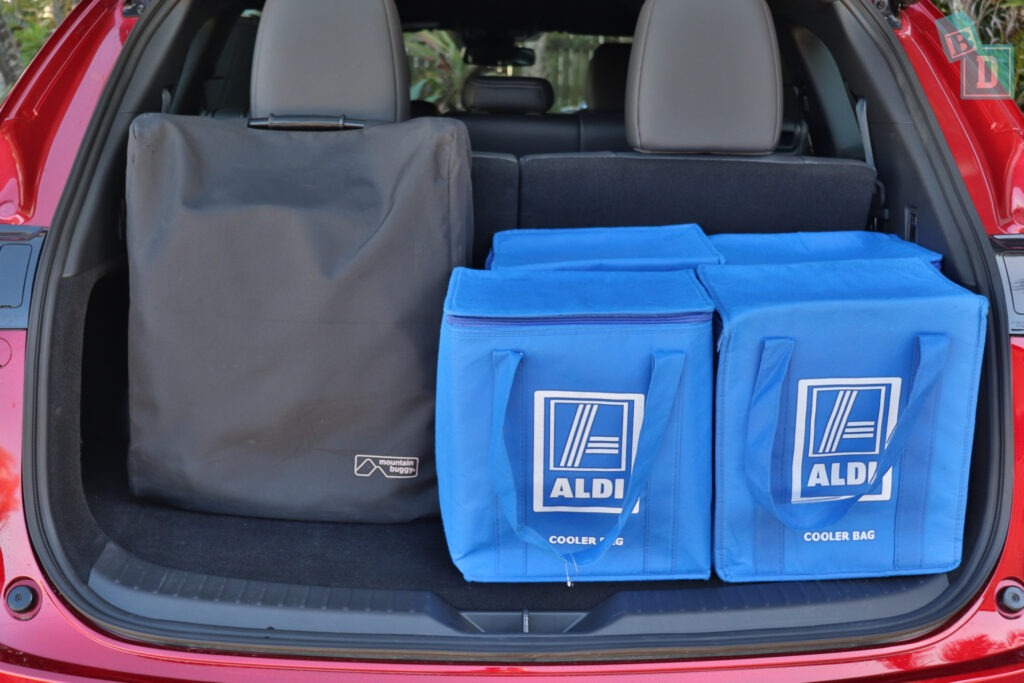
[[330, 58], [704, 77], [507, 94], [606, 77]]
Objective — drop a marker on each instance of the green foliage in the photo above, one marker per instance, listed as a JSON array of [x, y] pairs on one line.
[[563, 59], [31, 22], [436, 67]]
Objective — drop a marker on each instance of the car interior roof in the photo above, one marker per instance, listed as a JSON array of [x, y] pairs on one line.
[[595, 17], [528, 17]]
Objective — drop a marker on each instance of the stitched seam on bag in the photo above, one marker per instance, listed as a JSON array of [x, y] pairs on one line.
[[524, 368], [781, 533], [922, 512], [901, 504], [452, 256], [677, 463], [718, 415], [639, 229], [675, 496], [968, 439], [896, 518], [475, 333], [860, 574], [497, 536], [647, 527]]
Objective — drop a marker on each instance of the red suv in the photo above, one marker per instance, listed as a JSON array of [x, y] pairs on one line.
[[101, 584]]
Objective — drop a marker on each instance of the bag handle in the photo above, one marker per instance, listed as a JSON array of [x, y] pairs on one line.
[[666, 379], [766, 412]]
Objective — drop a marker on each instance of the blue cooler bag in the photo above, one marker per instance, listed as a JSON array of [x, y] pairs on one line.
[[845, 404], [662, 247], [801, 247], [574, 425]]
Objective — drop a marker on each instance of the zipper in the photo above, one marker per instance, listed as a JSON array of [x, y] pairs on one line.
[[655, 319]]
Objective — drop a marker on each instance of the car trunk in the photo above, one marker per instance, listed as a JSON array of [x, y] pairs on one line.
[[148, 571]]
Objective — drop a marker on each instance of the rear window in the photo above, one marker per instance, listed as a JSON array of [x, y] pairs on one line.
[[437, 70]]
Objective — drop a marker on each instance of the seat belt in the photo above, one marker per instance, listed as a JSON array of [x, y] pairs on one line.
[[879, 213], [865, 134]]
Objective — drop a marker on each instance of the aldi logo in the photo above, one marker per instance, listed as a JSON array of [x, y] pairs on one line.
[[583, 451], [842, 426]]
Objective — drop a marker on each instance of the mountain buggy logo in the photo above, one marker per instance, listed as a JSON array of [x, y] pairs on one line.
[[392, 468], [842, 426], [584, 447]]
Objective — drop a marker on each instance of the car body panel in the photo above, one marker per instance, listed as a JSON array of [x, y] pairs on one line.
[[986, 137], [44, 117], [41, 126]]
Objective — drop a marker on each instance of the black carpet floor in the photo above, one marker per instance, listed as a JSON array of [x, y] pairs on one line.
[[409, 556]]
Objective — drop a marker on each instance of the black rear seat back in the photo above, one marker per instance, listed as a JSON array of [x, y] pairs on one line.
[[704, 82], [722, 194], [520, 135], [831, 117], [602, 131], [226, 92], [794, 139], [495, 199], [505, 117], [606, 77], [603, 122], [507, 114]]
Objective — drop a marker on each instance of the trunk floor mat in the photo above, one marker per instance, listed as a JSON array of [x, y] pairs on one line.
[[410, 556]]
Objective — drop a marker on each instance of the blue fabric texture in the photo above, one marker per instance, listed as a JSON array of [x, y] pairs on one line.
[[801, 247], [479, 293], [845, 402], [655, 248], [574, 425]]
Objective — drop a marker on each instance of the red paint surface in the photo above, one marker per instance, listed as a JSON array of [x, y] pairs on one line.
[[12, 380], [41, 126], [56, 645], [43, 119], [986, 137]]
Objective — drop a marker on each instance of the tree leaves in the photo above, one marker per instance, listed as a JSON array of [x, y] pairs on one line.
[[435, 60], [24, 26]]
